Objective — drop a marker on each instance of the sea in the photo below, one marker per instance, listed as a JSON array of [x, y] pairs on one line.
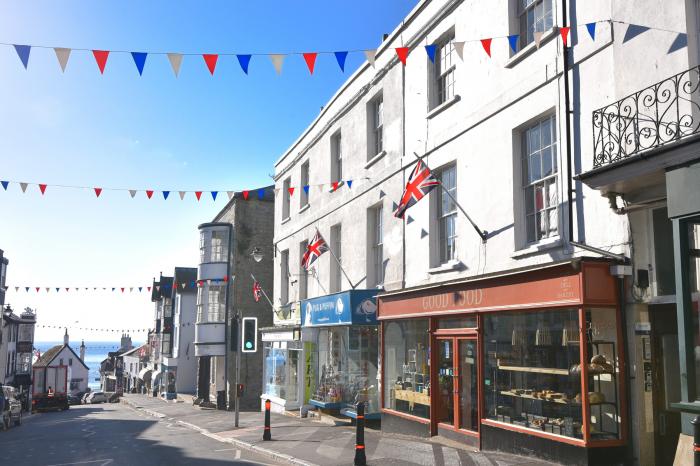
[[95, 353]]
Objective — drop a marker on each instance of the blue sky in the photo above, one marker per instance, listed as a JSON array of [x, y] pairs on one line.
[[196, 132]]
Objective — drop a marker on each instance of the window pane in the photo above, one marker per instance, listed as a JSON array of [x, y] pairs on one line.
[[546, 162], [530, 370], [535, 170], [407, 367]]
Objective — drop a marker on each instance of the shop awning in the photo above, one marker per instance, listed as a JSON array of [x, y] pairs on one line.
[[145, 374]]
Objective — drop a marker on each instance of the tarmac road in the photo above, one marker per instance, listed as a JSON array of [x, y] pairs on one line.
[[113, 434]]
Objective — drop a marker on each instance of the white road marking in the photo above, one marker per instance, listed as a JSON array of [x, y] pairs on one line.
[[237, 456], [228, 449], [103, 462]]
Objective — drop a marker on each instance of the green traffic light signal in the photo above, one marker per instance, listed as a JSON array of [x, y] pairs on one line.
[[248, 345]]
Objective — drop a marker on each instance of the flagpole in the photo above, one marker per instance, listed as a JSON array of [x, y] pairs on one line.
[[482, 233], [339, 264], [264, 294]]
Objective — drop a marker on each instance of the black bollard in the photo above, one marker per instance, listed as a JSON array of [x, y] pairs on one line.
[[696, 440], [360, 457], [266, 434]]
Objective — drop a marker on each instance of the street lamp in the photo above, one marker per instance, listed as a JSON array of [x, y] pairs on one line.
[[257, 254]]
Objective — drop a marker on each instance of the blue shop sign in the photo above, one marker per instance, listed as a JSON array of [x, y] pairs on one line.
[[357, 307]]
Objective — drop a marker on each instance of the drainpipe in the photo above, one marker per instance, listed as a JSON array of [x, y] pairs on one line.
[[568, 113]]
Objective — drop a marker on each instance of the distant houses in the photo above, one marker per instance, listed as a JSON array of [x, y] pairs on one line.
[[64, 356]]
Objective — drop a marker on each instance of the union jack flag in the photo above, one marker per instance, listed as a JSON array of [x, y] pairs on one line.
[[257, 291], [314, 249], [420, 183]]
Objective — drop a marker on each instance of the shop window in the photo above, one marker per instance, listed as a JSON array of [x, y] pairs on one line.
[[282, 370], [533, 370], [346, 360], [457, 322], [694, 285], [406, 360]]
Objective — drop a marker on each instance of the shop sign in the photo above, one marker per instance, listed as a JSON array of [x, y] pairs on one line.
[[278, 336], [25, 332], [347, 308]]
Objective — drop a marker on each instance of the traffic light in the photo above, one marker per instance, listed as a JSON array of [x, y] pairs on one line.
[[249, 342]]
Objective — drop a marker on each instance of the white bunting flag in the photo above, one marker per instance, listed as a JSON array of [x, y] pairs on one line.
[[157, 287], [132, 193], [175, 62], [459, 48], [230, 194], [62, 54], [538, 38], [320, 188], [23, 186], [370, 55], [131, 289], [47, 289], [277, 60], [277, 191], [17, 288], [182, 285], [182, 194]]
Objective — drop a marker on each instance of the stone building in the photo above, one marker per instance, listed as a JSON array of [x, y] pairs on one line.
[[225, 290], [529, 325]]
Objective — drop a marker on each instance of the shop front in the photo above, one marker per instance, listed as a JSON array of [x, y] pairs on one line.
[[341, 342], [529, 362], [283, 360]]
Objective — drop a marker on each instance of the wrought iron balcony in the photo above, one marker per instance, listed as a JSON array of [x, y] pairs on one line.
[[665, 112]]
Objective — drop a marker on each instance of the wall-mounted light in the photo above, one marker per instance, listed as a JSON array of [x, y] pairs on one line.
[[257, 254]]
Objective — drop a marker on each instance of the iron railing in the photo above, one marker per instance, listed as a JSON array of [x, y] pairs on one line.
[[665, 112]]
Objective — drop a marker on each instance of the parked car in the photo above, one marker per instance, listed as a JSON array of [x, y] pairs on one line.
[[13, 408], [73, 400], [84, 398], [97, 397]]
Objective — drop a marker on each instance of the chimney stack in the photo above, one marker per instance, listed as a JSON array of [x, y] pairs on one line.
[[65, 337], [82, 351]]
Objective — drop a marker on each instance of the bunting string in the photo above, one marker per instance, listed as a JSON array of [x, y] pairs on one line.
[[210, 60], [122, 289]]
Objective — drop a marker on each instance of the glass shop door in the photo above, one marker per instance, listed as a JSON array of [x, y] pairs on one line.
[[457, 370]]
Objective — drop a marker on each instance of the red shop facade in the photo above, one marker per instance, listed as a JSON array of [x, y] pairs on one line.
[[529, 362]]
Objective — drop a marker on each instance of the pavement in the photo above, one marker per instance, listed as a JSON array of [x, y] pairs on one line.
[[318, 443], [114, 434]]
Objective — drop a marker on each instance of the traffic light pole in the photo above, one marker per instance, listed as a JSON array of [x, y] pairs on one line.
[[239, 340]]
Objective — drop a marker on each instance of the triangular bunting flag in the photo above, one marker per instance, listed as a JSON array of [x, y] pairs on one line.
[[16, 288], [513, 41], [230, 194], [349, 183], [402, 53], [24, 187], [225, 278], [42, 188], [430, 50], [122, 290], [564, 31], [277, 61], [131, 289], [101, 59], [139, 60], [5, 184], [166, 194], [306, 189], [291, 191], [340, 58], [244, 61], [57, 289], [23, 53], [113, 289], [182, 194], [67, 289], [48, 289], [37, 289], [210, 59], [140, 289], [245, 195], [149, 193], [459, 48], [175, 62], [198, 194], [182, 285], [310, 59], [486, 44], [148, 288], [276, 191], [591, 30], [261, 193], [335, 185], [98, 191], [538, 38], [370, 55], [26, 288], [132, 193], [213, 195], [62, 54]]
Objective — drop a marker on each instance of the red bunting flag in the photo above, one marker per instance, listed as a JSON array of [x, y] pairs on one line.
[[310, 59], [245, 195], [149, 193], [335, 185], [101, 59], [122, 290], [291, 191], [98, 191], [486, 43], [564, 31], [198, 194], [210, 60], [37, 289], [67, 290], [42, 188], [402, 52], [148, 288]]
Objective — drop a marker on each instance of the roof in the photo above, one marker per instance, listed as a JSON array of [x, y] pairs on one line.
[[185, 275], [132, 351], [50, 354]]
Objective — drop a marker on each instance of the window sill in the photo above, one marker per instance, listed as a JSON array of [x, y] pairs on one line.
[[443, 106], [305, 208], [285, 220], [531, 48], [544, 245], [451, 266], [375, 159]]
